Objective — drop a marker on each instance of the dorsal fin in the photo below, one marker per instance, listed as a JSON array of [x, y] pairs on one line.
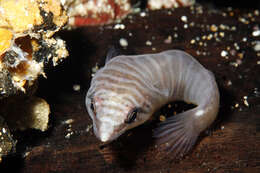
[[112, 52]]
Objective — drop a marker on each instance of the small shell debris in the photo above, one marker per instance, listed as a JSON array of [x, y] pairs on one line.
[[94, 70], [184, 19], [245, 101], [224, 53], [69, 129], [257, 46], [256, 32], [142, 14], [236, 63], [213, 28], [123, 42], [89, 127], [221, 34], [244, 39], [148, 43], [68, 121], [168, 40], [68, 135], [76, 87], [162, 118], [229, 83], [119, 26]]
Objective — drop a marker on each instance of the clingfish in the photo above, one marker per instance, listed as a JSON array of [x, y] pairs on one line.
[[129, 89]]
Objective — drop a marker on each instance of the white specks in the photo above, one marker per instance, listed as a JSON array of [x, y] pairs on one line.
[[258, 62], [236, 46], [68, 121], [69, 129], [213, 28], [222, 26], [243, 20], [256, 33], [68, 135], [123, 42], [185, 26], [244, 39], [229, 83], [142, 14], [199, 112], [119, 26], [168, 40], [94, 70], [3, 130], [245, 101], [184, 18], [222, 127], [224, 53], [89, 127], [76, 87], [210, 36], [257, 46], [236, 63], [221, 34], [148, 43]]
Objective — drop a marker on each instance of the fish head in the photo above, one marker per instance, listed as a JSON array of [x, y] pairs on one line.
[[113, 114]]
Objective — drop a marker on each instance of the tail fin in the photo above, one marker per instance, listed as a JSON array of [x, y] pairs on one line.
[[178, 133]]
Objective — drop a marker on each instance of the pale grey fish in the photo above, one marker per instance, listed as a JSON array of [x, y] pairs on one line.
[[129, 89]]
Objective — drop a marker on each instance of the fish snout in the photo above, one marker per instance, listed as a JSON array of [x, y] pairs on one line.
[[104, 131]]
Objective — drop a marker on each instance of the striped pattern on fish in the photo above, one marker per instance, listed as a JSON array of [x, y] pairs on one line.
[[129, 89]]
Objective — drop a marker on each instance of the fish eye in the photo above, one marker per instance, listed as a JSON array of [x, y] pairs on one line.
[[131, 116]]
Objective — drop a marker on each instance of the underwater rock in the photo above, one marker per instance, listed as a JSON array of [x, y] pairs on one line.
[[22, 113], [27, 45]]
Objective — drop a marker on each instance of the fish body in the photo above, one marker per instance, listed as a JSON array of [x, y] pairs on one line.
[[129, 89]]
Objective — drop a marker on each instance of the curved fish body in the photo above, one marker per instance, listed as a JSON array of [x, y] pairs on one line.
[[129, 89]]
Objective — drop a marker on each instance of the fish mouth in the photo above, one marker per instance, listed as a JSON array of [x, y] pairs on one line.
[[107, 134]]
